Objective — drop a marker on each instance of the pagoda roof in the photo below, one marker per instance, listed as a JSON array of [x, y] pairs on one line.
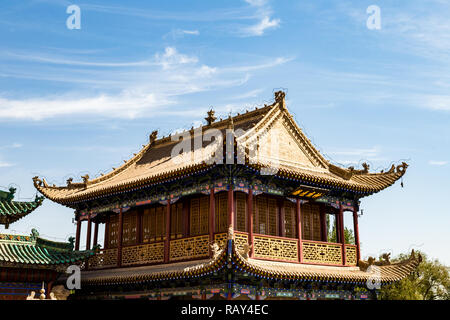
[[35, 252], [11, 211], [384, 273], [298, 159]]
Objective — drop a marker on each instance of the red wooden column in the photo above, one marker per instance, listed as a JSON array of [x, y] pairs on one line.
[[140, 213], [77, 236], [231, 206], [96, 233], [323, 223], [299, 230], [282, 223], [212, 218], [356, 231], [88, 235], [119, 240], [167, 240], [250, 220], [106, 239], [342, 232]]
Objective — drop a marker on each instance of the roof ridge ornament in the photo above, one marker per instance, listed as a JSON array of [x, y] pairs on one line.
[[211, 117], [153, 136], [280, 99]]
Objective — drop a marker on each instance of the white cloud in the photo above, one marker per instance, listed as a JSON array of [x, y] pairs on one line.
[[259, 28], [437, 102], [437, 163], [263, 12], [144, 90], [5, 164], [172, 58]]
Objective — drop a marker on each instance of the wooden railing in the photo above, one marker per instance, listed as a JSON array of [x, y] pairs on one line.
[[240, 239], [264, 247], [322, 252], [143, 254], [275, 248], [350, 255], [189, 248], [106, 258]]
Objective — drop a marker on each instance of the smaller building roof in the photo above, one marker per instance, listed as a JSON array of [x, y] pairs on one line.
[[11, 211], [33, 251]]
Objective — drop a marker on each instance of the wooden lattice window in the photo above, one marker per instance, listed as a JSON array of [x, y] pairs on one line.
[[113, 231], [241, 212], [176, 220], [199, 214], [129, 228], [221, 212], [153, 224], [311, 222], [267, 217], [290, 220]]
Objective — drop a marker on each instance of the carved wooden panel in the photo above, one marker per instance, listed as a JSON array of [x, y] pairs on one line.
[[350, 256], [153, 224], [221, 209], [241, 211], [326, 253], [189, 248], [106, 258], [311, 222], [275, 248], [143, 254], [290, 221], [199, 214], [221, 239], [176, 220], [240, 240], [129, 228], [113, 236]]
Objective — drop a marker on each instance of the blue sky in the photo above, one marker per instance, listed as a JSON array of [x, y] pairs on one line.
[[80, 101]]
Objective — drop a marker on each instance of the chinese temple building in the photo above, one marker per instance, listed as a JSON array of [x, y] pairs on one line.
[[247, 216], [26, 262]]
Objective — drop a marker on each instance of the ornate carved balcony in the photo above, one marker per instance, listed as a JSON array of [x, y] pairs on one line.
[[264, 247], [322, 252], [275, 248]]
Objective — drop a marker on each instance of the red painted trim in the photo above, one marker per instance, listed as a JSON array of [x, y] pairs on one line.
[[77, 237], [231, 207], [88, 234], [356, 231], [96, 233]]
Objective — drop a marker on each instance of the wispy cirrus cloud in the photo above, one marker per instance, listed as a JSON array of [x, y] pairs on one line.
[[355, 156], [265, 20], [437, 163], [177, 74]]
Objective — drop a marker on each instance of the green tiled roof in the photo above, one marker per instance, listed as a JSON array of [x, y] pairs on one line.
[[19, 250], [11, 211]]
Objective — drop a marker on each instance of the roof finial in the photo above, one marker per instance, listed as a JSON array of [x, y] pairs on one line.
[[230, 122], [153, 136], [210, 118], [279, 98]]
